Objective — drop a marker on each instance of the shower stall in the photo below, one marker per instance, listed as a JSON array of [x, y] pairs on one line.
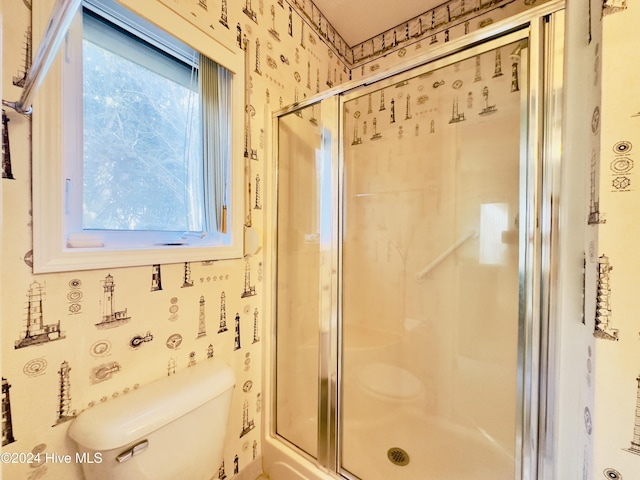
[[410, 259]]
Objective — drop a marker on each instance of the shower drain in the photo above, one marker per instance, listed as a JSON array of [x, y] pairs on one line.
[[398, 456]]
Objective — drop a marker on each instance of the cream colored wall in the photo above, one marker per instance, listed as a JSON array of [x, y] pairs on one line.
[[32, 371], [617, 362], [282, 72]]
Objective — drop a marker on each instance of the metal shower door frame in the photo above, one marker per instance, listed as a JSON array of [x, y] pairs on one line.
[[543, 27]]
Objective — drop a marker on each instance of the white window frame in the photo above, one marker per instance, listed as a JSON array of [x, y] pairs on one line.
[[53, 132]]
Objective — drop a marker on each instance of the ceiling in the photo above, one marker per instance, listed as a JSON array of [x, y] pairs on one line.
[[360, 20]]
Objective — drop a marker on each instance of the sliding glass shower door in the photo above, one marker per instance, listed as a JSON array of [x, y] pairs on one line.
[[431, 253]]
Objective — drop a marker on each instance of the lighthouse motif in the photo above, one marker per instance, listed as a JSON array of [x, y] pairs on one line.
[[223, 313], [64, 397], [635, 442], [7, 424], [249, 290], [36, 331], [247, 424], [110, 316], [202, 330], [236, 341], [256, 330], [223, 15]]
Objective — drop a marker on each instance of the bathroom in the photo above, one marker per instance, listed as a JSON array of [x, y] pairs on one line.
[[176, 308]]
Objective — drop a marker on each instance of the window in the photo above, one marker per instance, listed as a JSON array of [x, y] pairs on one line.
[[143, 168], [138, 145]]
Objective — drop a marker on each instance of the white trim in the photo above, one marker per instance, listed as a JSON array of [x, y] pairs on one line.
[[163, 17], [50, 250]]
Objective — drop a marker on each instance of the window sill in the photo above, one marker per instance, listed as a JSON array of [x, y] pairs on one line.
[[76, 259]]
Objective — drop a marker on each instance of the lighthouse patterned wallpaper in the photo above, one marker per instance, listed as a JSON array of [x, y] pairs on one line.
[[616, 422], [73, 340]]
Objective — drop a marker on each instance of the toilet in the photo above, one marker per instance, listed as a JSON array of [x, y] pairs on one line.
[[171, 429], [390, 383], [380, 389]]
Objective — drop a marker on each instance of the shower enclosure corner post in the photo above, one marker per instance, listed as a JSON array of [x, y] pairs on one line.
[[329, 272], [532, 121], [553, 30], [270, 246], [541, 175]]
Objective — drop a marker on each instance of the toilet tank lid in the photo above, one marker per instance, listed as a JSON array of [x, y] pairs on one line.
[[135, 414]]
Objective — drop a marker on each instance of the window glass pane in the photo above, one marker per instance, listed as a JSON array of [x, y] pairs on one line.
[[142, 161]]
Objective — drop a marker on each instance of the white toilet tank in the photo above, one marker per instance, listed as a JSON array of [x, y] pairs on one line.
[[171, 429]]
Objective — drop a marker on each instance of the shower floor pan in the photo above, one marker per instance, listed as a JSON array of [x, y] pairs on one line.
[[407, 447]]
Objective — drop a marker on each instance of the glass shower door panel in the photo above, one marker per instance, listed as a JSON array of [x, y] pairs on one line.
[[430, 269], [298, 289]]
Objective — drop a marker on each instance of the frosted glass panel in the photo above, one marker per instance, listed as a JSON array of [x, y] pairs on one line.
[[430, 270], [298, 281]]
